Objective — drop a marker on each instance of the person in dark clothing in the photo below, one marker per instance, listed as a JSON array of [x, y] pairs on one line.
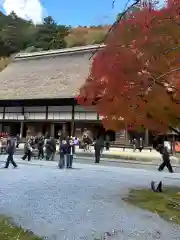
[[63, 152], [98, 148], [107, 143], [53, 148], [160, 148], [134, 142], [27, 150], [69, 158], [141, 144], [41, 148], [166, 160], [11, 147], [50, 149]]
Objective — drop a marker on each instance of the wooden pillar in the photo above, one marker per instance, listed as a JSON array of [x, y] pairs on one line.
[[46, 112], [126, 136], [72, 122], [21, 130], [146, 137], [52, 130], [64, 129]]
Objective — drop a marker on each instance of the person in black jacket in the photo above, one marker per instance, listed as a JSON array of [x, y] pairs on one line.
[[69, 157], [166, 160], [53, 148], [99, 144], [11, 147], [63, 153], [41, 148]]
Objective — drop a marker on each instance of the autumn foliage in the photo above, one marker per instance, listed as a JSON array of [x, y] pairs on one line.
[[135, 79]]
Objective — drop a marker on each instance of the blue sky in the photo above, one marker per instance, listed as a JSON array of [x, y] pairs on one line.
[[70, 12], [80, 12]]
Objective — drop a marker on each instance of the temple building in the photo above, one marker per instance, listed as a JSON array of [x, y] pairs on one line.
[[38, 90]]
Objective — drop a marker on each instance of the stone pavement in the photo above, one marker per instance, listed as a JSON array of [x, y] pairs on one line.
[[90, 160], [80, 203]]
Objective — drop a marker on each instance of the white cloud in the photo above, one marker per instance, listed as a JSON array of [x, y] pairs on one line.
[[26, 9]]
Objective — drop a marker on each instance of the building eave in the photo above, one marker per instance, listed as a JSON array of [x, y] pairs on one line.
[[58, 52]]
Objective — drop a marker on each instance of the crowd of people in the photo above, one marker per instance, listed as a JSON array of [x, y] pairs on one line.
[[46, 147], [42, 148]]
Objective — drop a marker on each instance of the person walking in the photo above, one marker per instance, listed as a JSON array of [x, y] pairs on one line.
[[166, 160], [27, 150], [11, 147], [134, 142]]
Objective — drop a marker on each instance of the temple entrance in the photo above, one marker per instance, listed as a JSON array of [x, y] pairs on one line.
[[135, 134], [96, 129], [12, 128], [34, 129]]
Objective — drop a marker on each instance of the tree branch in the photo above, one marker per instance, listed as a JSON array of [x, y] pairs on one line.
[[114, 25]]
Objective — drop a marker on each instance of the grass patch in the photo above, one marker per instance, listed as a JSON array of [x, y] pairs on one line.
[[166, 204], [9, 231]]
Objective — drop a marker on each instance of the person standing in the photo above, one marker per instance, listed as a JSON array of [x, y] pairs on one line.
[[11, 147], [98, 148], [63, 154], [48, 148], [40, 148], [69, 158], [141, 144], [107, 143], [76, 143], [53, 148], [166, 160]]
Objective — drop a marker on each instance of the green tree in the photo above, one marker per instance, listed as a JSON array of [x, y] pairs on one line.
[[12, 34], [50, 35]]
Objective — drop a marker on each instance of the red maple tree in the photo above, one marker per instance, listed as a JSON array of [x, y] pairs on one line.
[[135, 79]]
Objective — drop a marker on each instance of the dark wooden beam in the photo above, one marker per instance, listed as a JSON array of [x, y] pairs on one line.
[[46, 112], [4, 110], [38, 102]]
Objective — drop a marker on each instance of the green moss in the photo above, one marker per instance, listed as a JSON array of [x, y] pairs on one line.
[[166, 204], [9, 231]]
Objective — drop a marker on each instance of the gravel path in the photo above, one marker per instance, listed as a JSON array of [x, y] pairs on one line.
[[75, 204]]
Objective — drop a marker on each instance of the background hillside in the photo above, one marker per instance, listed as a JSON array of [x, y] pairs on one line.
[[18, 35], [86, 36]]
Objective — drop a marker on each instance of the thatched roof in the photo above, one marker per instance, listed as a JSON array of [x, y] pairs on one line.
[[47, 74]]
